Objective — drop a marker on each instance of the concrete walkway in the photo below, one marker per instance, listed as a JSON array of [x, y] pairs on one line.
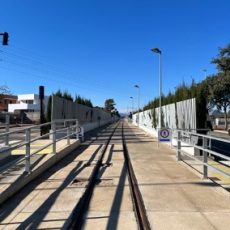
[[175, 196]]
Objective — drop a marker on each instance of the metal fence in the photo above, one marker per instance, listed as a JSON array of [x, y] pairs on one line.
[[202, 143], [54, 131]]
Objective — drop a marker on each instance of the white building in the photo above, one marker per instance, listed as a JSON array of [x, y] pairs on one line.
[[27, 103]]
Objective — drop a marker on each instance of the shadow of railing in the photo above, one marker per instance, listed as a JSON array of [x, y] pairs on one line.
[[11, 204]]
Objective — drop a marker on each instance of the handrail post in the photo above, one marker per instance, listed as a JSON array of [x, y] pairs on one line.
[[68, 135], [205, 159], [178, 145], [77, 129], [54, 136], [7, 129], [27, 156]]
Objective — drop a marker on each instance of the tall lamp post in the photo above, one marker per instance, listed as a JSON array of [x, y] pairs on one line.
[[138, 98], [158, 51]]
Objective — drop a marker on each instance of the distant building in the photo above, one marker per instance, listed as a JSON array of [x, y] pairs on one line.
[[218, 119], [5, 101], [27, 103]]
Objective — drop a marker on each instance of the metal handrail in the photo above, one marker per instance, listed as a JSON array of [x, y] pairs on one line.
[[205, 150], [26, 128], [71, 130]]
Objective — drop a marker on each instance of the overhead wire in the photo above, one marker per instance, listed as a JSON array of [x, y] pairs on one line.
[[48, 71]]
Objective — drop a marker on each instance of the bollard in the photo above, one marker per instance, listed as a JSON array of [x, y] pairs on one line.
[[178, 145], [53, 128], [7, 129], [27, 156], [205, 159]]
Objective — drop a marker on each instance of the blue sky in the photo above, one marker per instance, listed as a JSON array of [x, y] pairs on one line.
[[101, 48]]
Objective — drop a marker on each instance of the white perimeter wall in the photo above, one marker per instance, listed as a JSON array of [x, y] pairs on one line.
[[186, 113]]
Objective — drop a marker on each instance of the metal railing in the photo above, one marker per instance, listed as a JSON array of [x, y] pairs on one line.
[[54, 131], [186, 137]]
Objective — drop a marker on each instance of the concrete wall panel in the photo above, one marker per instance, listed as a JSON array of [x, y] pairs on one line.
[[186, 114], [65, 109]]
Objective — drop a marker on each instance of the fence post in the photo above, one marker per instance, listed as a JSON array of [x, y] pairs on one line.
[[27, 156], [178, 145], [7, 123], [54, 136], [205, 158]]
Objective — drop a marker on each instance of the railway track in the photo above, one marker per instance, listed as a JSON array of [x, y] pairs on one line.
[[83, 211], [93, 188]]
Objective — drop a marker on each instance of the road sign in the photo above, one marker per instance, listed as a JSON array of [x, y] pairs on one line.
[[164, 135]]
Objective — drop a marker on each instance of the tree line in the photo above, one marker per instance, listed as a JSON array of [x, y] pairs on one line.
[[78, 98]]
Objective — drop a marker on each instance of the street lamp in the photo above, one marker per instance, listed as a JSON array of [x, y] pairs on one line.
[[158, 51], [138, 96]]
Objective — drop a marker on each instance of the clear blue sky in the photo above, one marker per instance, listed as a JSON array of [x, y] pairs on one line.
[[101, 48]]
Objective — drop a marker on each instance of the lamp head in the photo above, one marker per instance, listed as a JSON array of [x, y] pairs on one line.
[[156, 50]]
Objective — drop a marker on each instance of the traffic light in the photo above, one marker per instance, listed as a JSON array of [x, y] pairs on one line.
[[5, 38]]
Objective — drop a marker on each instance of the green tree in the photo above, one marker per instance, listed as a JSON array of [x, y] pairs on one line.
[[67, 96], [109, 105], [223, 59], [58, 93], [219, 93], [219, 85], [83, 101]]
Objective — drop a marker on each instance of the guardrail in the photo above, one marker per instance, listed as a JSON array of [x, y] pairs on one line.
[[206, 140], [68, 128]]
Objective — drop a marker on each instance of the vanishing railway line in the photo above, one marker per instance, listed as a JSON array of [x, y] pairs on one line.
[[80, 212], [95, 186]]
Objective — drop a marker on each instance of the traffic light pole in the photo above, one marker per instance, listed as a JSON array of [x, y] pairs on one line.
[[5, 38]]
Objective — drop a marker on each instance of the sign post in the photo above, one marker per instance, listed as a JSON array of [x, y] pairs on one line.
[[164, 135]]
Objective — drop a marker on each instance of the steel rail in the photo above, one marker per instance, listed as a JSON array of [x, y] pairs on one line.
[[138, 202]]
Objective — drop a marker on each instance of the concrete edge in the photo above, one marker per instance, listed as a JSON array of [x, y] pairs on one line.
[[24, 179]]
